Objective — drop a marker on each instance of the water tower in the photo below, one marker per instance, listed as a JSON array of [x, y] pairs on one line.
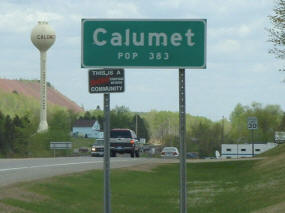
[[43, 37]]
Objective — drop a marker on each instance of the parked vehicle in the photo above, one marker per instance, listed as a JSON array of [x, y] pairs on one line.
[[169, 152], [97, 149], [192, 155], [124, 141]]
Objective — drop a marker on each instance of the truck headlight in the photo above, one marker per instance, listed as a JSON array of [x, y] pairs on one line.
[[93, 149]]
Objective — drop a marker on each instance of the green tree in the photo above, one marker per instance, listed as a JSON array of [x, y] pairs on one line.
[[139, 124], [277, 31], [282, 124], [9, 134], [2, 139], [59, 126], [202, 133], [87, 116], [23, 131], [269, 118], [120, 117]]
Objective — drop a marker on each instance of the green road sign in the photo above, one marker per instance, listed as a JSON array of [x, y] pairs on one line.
[[143, 43]]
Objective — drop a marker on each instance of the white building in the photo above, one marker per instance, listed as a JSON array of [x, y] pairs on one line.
[[244, 150], [87, 129]]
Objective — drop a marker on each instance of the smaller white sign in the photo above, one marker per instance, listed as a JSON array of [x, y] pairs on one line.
[[252, 123], [60, 145]]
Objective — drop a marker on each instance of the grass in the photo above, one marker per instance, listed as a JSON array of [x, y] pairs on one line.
[[222, 187], [41, 149], [279, 150], [78, 142]]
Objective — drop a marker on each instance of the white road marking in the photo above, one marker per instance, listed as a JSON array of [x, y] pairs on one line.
[[55, 165]]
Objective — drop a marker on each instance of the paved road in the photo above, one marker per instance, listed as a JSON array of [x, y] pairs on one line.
[[18, 170]]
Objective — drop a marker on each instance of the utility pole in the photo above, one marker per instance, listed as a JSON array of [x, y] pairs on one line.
[[137, 125], [223, 126]]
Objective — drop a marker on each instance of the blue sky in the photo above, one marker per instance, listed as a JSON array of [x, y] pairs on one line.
[[239, 68]]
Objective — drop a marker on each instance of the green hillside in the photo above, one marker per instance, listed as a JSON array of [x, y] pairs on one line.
[[272, 184], [14, 103], [17, 104]]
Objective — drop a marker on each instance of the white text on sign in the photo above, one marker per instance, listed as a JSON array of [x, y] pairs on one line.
[[150, 39]]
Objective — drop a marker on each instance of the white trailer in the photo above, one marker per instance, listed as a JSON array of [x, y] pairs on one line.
[[244, 150]]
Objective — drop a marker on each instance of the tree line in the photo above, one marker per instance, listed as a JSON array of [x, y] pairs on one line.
[[18, 135], [14, 134], [19, 138], [205, 136], [121, 117]]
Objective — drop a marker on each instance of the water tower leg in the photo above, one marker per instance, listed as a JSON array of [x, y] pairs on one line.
[[43, 126]]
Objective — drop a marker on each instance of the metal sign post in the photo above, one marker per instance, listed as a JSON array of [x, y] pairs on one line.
[[106, 81], [107, 198], [182, 130], [252, 143]]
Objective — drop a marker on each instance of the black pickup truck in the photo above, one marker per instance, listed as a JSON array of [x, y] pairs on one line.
[[124, 141]]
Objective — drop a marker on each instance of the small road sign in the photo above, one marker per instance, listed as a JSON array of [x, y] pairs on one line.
[[252, 123], [106, 80], [60, 145]]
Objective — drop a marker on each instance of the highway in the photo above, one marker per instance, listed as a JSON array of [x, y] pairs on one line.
[[20, 170]]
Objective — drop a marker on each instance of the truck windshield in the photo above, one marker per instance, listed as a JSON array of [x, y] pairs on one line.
[[99, 143], [120, 134]]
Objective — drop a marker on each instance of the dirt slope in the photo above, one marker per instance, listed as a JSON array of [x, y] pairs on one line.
[[32, 89]]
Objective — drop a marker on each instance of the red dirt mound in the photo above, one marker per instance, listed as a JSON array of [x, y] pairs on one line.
[[32, 89]]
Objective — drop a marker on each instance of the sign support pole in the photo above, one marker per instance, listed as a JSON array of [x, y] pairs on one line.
[[107, 199], [182, 131], [252, 143]]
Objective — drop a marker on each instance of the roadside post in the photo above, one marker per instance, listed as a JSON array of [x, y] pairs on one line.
[[106, 81], [252, 125], [145, 43]]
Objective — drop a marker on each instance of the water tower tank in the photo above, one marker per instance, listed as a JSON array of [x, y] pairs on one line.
[[43, 36]]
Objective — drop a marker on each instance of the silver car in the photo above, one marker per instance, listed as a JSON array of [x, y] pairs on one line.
[[169, 152]]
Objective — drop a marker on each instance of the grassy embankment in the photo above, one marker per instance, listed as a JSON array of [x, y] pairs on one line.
[[39, 146], [222, 187]]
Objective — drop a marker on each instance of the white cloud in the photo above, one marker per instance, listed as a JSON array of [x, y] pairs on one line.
[[228, 46], [73, 41], [242, 31], [170, 3], [123, 10], [19, 21]]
